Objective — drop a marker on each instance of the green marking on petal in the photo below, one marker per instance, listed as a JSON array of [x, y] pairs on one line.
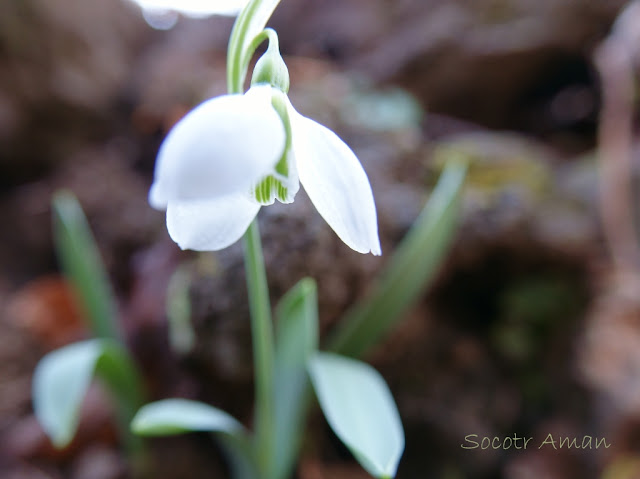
[[279, 103], [282, 167], [279, 185], [270, 189]]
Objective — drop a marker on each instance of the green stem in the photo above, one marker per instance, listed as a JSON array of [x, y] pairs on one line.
[[250, 24], [263, 350], [235, 74], [266, 34]]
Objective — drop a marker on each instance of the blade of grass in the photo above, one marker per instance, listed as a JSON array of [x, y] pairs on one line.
[[412, 267], [178, 307], [81, 263], [296, 341]]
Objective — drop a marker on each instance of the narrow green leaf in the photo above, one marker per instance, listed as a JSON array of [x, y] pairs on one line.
[[181, 334], [80, 261], [177, 416], [296, 341], [297, 326], [62, 378], [410, 271], [361, 411]]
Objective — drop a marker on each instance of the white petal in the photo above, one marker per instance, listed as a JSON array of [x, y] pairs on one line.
[[158, 198], [336, 183], [223, 146], [195, 8], [210, 225], [160, 19]]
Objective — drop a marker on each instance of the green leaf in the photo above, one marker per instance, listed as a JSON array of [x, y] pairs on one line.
[[360, 409], [296, 341], [62, 378], [80, 261], [297, 326], [412, 267], [177, 416], [178, 306]]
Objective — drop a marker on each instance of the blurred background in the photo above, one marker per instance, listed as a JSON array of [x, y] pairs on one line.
[[532, 326]]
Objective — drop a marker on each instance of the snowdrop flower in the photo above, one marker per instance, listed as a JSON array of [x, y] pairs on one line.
[[194, 8], [235, 153], [163, 14]]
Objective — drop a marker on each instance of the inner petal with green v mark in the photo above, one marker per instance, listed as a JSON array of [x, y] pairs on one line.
[[270, 189], [282, 184]]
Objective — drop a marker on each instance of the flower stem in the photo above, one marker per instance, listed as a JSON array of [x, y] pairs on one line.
[[250, 24], [263, 350], [235, 74]]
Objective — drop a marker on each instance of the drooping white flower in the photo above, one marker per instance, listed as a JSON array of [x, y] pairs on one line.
[[194, 8], [163, 14], [225, 159]]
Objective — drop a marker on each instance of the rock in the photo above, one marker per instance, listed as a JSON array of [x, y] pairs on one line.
[[62, 73], [522, 64]]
